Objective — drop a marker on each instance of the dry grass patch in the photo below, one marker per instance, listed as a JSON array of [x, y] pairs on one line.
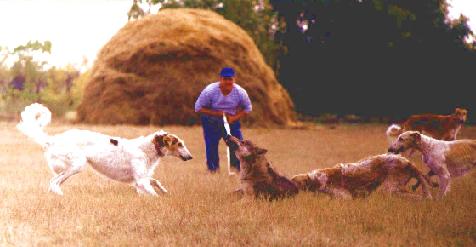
[[200, 210]]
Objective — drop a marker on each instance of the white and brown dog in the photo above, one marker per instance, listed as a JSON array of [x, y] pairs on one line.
[[446, 159], [349, 180], [127, 160]]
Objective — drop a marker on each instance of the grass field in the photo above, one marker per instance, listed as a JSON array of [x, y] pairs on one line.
[[200, 211]]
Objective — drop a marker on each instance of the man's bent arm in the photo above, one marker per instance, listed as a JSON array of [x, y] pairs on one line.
[[209, 112]]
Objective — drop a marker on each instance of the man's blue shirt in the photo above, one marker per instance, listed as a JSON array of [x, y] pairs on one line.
[[212, 98]]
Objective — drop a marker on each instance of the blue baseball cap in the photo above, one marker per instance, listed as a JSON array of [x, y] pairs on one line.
[[227, 72]]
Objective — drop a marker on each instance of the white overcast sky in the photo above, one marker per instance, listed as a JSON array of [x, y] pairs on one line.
[[79, 28]]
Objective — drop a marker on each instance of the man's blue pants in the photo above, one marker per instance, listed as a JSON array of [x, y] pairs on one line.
[[213, 131]]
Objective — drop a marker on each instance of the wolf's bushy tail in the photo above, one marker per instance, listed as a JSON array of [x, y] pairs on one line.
[[33, 119]]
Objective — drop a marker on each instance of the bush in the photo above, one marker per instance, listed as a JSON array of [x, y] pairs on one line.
[[55, 95], [328, 118]]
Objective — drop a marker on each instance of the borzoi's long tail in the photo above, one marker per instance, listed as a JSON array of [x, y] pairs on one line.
[[33, 119], [393, 131]]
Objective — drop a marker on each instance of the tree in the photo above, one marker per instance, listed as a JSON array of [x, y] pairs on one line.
[[28, 81], [135, 12], [26, 74], [361, 56]]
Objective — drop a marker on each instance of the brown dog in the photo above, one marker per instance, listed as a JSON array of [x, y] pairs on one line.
[[389, 171], [257, 176], [441, 127]]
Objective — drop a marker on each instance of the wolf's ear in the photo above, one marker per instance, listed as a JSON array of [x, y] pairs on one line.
[[260, 151]]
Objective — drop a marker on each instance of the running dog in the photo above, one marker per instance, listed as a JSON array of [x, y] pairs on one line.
[[257, 176], [389, 171], [441, 127], [131, 161], [446, 159]]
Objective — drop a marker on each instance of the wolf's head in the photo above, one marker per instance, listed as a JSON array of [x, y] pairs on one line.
[[244, 150]]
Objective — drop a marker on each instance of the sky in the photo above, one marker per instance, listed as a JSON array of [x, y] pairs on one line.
[[76, 28], [79, 28]]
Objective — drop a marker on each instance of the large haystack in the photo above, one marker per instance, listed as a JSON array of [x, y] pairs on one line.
[[153, 69]]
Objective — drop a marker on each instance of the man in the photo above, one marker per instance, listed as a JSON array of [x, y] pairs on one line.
[[218, 98]]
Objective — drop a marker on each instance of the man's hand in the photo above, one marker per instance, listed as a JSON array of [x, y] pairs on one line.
[[233, 118]]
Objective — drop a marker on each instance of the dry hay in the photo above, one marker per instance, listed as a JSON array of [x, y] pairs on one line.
[[153, 69]]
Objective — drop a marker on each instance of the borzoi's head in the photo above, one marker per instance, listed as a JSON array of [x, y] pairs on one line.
[[461, 114], [304, 182], [170, 145], [405, 141]]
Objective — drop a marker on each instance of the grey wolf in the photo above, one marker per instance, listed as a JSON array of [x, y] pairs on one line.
[[258, 178], [350, 180], [131, 161], [446, 159]]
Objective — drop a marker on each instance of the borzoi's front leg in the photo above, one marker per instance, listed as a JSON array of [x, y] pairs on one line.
[[54, 186], [157, 183], [143, 186], [141, 176], [444, 182]]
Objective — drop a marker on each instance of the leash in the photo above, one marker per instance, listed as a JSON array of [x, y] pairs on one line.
[[227, 129]]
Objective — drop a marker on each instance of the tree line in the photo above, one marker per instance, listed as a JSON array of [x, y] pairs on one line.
[[376, 57], [371, 58]]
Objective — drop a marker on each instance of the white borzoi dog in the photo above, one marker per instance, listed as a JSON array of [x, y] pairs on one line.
[[446, 159], [127, 160]]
